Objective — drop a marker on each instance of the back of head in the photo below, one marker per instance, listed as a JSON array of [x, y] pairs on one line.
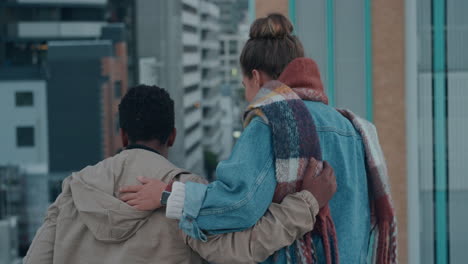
[[271, 46], [147, 113]]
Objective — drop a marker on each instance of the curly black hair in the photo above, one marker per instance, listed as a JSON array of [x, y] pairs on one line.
[[147, 113]]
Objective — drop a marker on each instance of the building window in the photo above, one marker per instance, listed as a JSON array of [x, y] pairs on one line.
[[25, 136], [191, 129], [191, 89], [189, 9], [232, 47], [189, 49], [192, 149], [189, 28], [118, 89], [24, 99], [117, 123], [191, 68]]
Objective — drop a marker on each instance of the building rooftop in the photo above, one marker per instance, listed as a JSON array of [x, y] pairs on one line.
[[30, 72]]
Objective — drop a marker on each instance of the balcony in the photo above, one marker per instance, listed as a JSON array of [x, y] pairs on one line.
[[189, 38], [192, 138], [191, 58], [190, 19], [211, 82], [210, 44], [192, 98], [55, 30], [210, 25], [194, 160], [213, 118], [211, 100], [210, 9], [192, 78], [210, 63], [192, 118], [212, 138], [192, 3]]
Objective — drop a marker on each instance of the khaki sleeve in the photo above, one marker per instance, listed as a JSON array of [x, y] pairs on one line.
[[41, 250], [279, 227], [189, 177]]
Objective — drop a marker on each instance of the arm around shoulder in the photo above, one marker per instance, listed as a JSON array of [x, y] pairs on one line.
[[279, 227]]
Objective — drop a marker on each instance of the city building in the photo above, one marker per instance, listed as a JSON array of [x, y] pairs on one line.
[[175, 44], [9, 241], [23, 117], [166, 51], [27, 25], [211, 79], [83, 112], [231, 13], [14, 221], [63, 71], [228, 112], [234, 34]]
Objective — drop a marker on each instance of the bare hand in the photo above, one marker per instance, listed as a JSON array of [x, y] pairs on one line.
[[321, 185], [145, 197]]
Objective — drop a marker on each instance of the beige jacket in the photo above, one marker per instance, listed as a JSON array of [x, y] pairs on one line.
[[88, 224]]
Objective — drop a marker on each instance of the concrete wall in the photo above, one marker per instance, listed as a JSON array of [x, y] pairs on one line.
[[389, 101], [75, 103], [265, 7], [30, 158]]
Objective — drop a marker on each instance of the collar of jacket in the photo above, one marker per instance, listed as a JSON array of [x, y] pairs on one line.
[[139, 146]]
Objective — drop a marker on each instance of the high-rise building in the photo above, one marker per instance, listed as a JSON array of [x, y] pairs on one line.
[[232, 12], [166, 37], [27, 25], [58, 93], [9, 241], [14, 222], [83, 112], [63, 121], [233, 36], [231, 45], [211, 79], [23, 117]]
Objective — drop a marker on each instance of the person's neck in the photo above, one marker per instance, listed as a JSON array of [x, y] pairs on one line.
[[154, 144]]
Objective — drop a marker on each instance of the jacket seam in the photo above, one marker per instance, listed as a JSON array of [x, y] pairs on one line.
[[337, 131], [249, 195], [247, 198]]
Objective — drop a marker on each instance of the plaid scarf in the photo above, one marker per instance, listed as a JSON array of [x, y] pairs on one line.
[[296, 146], [383, 247]]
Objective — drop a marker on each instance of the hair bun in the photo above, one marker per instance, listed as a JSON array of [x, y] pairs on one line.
[[274, 26]]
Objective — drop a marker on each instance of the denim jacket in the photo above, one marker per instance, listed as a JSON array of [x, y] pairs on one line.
[[246, 183]]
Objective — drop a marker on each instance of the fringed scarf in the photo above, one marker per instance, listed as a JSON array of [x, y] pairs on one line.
[[296, 146], [383, 247]]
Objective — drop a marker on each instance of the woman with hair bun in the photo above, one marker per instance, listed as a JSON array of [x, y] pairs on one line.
[[290, 130]]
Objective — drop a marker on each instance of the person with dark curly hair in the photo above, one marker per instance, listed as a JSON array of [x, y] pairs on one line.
[[88, 223]]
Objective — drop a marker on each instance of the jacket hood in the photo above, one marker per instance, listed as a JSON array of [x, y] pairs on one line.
[[94, 193], [303, 76]]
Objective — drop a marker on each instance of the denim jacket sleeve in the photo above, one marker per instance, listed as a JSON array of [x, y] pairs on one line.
[[242, 192]]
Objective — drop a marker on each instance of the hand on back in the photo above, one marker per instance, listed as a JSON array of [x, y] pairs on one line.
[[145, 197], [322, 184]]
